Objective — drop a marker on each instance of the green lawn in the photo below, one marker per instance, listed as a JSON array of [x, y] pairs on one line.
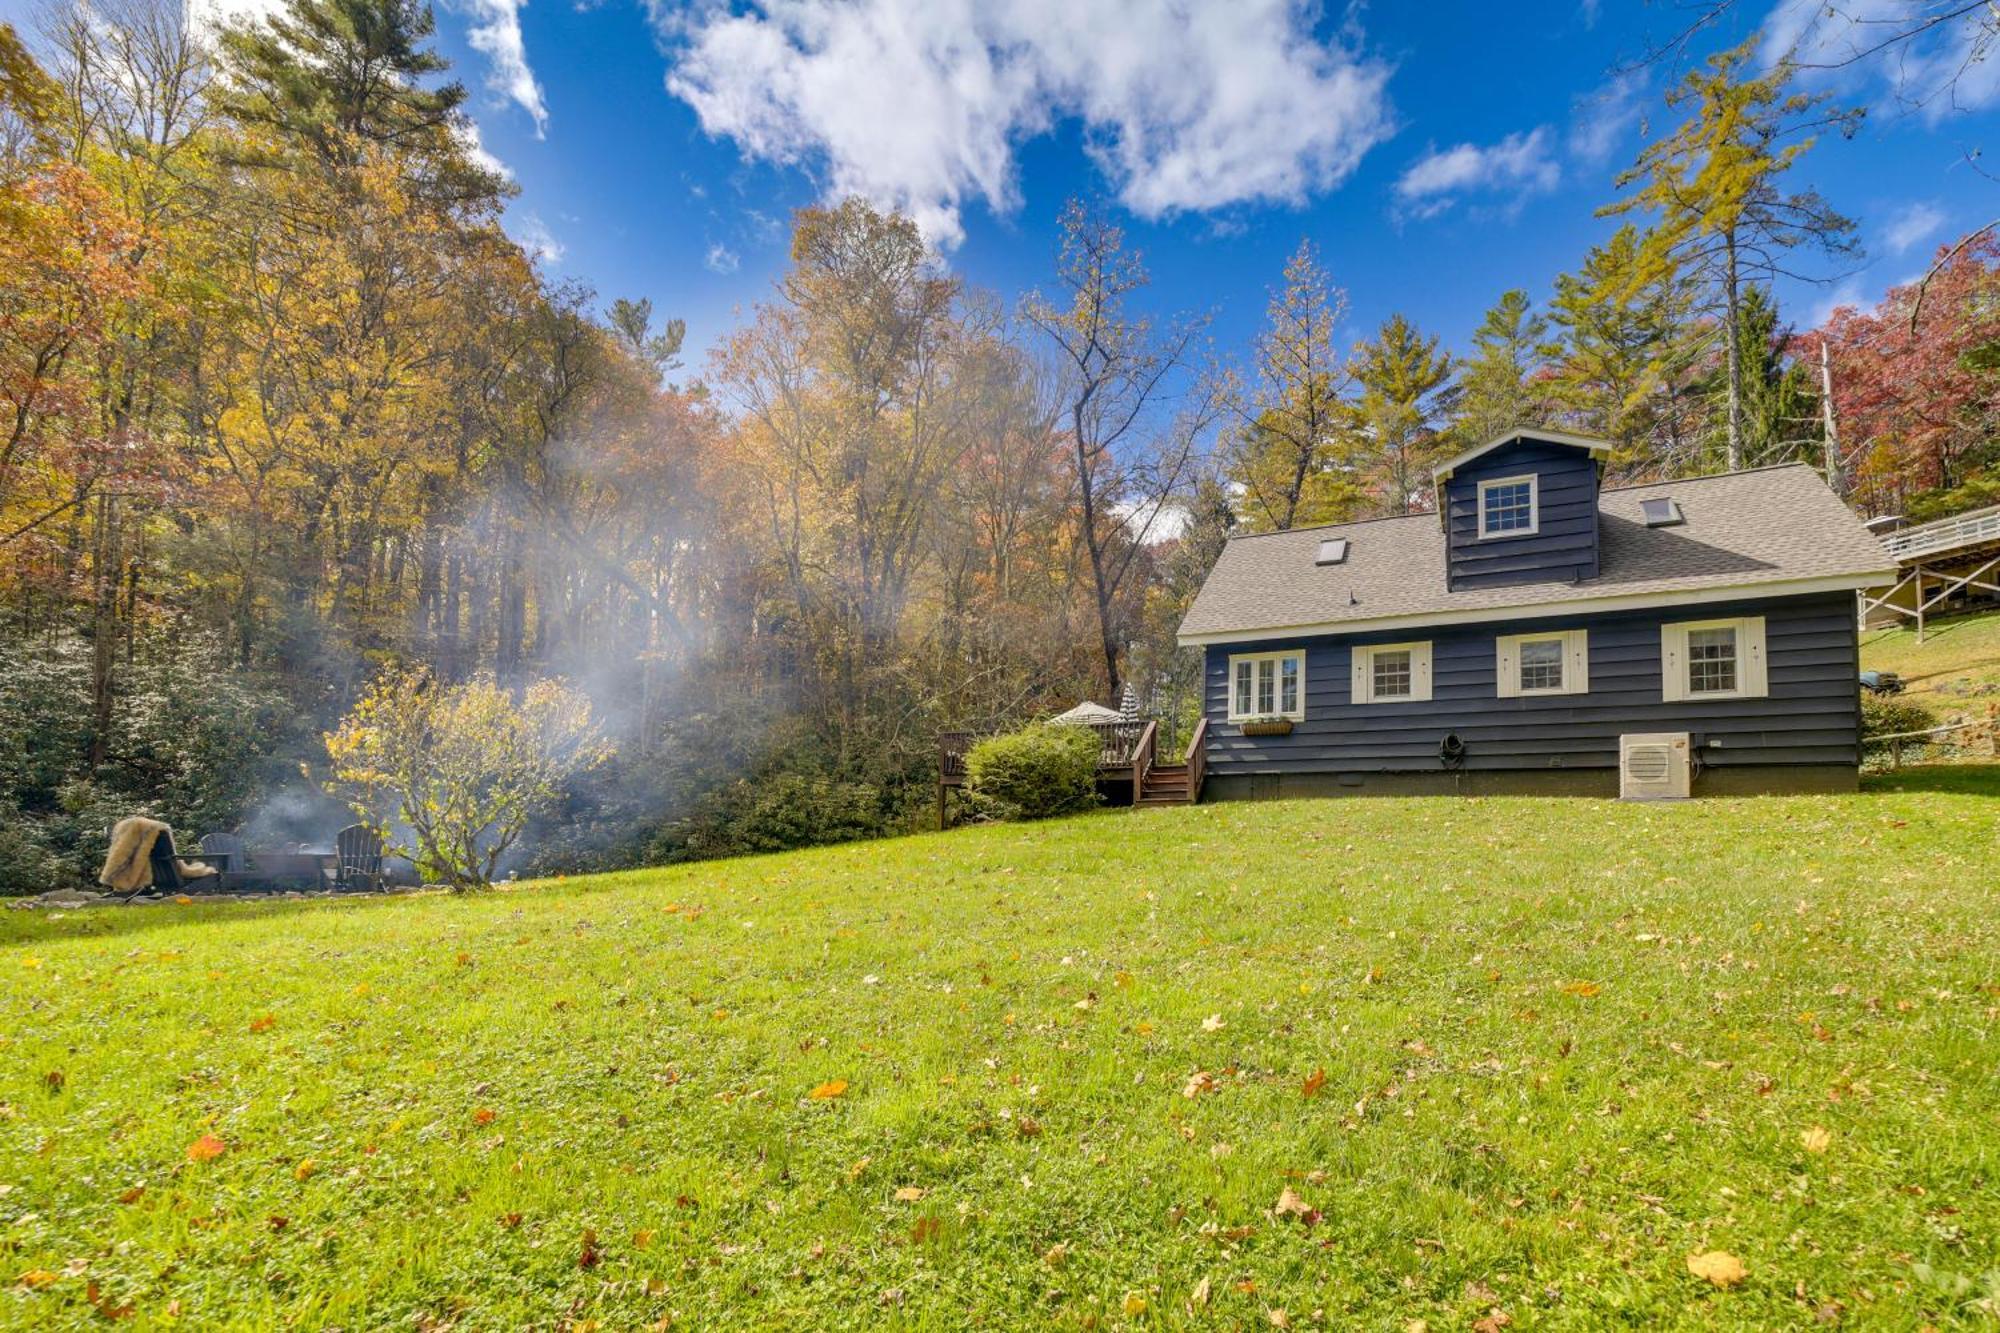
[[1515, 1055], [1955, 669]]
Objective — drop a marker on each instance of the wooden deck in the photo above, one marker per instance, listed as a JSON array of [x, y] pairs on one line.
[[1126, 753], [1938, 561]]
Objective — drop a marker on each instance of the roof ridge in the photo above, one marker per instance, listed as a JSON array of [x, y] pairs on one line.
[[1322, 527], [1709, 476]]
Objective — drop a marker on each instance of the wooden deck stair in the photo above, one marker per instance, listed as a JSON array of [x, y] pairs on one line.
[[1165, 784]]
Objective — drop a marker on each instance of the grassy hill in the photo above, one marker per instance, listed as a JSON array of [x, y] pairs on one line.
[[1955, 669], [1350, 1063]]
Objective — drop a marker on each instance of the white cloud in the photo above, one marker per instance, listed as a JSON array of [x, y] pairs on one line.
[[540, 243], [1911, 226], [1848, 292], [496, 34], [1519, 165], [211, 15], [1939, 63], [467, 134], [721, 259], [920, 104], [1599, 120]]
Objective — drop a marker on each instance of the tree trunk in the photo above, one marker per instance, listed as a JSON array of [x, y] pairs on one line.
[[1830, 442], [1733, 350]]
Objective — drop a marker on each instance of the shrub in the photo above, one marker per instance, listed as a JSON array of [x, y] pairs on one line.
[[1886, 715], [452, 773], [1035, 772], [775, 814]]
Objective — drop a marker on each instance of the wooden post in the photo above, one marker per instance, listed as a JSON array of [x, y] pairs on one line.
[[1830, 445], [1920, 603]]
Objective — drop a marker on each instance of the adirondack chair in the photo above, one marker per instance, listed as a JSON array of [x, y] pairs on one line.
[[225, 851], [357, 860]]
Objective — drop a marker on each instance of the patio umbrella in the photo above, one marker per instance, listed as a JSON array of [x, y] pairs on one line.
[[1086, 714]]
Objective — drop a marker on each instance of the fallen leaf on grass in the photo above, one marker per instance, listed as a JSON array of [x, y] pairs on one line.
[[1213, 1023], [133, 1195], [1816, 1139], [1201, 1293], [206, 1149], [305, 1169], [829, 1090], [485, 1116], [1718, 1266], [1582, 989], [1291, 1205], [36, 1277], [54, 1080], [1198, 1082], [589, 1256], [1055, 1254], [910, 1193], [263, 1024], [1135, 1305], [1277, 1318], [642, 1239], [926, 1230], [104, 1306], [1314, 1082]]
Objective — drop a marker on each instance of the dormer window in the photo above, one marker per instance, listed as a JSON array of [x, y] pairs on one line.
[[1507, 507]]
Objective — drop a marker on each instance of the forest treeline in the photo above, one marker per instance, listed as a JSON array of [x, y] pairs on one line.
[[285, 406]]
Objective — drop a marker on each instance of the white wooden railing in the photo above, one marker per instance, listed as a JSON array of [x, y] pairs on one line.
[[1981, 525]]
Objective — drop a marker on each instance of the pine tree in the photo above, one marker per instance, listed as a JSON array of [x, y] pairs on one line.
[[1501, 384], [1404, 380], [1713, 185], [343, 76], [1780, 402]]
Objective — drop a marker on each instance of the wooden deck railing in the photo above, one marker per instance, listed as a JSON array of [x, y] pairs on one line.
[[1197, 759], [1142, 756], [1973, 529]]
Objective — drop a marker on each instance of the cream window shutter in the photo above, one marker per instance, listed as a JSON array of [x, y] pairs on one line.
[[1576, 666], [1358, 687], [1420, 672], [1673, 664], [1755, 681], [1507, 666]]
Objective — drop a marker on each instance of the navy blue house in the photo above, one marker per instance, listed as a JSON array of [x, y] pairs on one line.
[[1542, 632]]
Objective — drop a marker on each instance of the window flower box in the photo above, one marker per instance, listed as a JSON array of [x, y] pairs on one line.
[[1267, 726]]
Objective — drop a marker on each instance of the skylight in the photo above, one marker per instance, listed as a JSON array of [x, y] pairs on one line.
[[1332, 550], [1661, 513]]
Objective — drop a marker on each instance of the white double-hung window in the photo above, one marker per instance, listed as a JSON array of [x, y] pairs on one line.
[[1713, 659], [1552, 662], [1387, 673], [1508, 507], [1267, 685]]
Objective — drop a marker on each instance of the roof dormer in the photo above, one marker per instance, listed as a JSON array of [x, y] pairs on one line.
[[1521, 509]]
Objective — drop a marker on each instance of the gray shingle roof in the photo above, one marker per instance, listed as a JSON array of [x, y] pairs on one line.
[[1743, 529]]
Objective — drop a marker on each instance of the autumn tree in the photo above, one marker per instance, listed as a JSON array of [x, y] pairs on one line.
[[1292, 438], [1715, 188], [451, 774], [1130, 449]]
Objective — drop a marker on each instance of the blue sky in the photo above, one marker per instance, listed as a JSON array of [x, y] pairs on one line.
[[1436, 154]]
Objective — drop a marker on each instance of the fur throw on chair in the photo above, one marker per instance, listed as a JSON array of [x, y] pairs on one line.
[[128, 866]]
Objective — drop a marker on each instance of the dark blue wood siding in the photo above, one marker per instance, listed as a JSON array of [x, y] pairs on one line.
[[1563, 548], [1811, 717]]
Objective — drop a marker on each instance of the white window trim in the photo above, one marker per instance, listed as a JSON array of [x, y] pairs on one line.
[[1534, 506], [1753, 679], [1277, 685], [1576, 663], [1362, 684]]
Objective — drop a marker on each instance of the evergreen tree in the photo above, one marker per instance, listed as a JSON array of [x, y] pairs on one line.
[[342, 76], [1781, 420], [1501, 384], [1626, 353], [1405, 381]]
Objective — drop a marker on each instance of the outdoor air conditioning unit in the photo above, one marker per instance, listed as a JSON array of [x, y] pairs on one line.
[[1655, 766]]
